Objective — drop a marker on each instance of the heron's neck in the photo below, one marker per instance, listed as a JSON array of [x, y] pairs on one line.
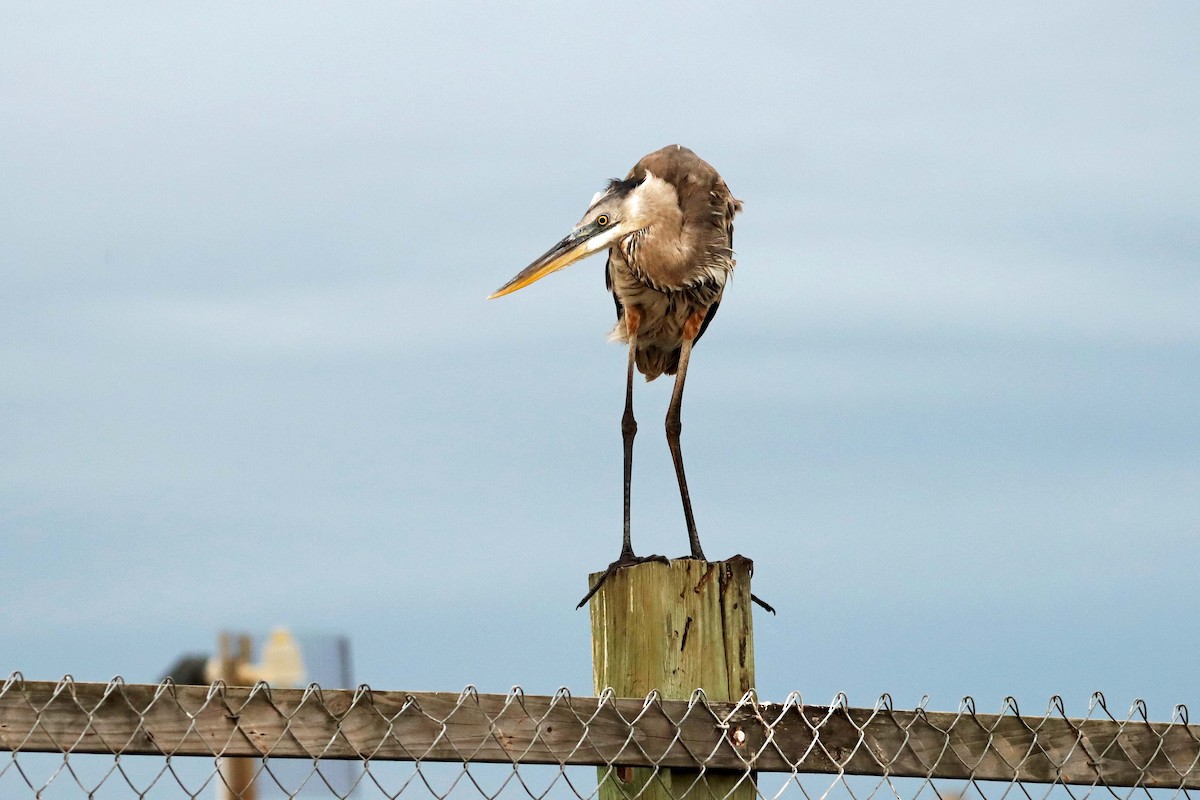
[[662, 252]]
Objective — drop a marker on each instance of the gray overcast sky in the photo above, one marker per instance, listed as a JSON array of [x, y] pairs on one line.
[[248, 376]]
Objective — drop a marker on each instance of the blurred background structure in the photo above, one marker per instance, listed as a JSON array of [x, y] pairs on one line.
[[282, 661]]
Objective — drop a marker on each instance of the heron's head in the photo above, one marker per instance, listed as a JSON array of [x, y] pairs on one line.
[[621, 209]]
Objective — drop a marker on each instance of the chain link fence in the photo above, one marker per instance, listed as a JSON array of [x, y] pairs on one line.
[[93, 740]]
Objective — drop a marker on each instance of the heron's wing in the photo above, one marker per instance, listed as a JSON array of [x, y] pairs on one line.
[[732, 207], [712, 312], [608, 284]]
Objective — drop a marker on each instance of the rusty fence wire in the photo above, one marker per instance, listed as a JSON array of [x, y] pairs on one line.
[[68, 739]]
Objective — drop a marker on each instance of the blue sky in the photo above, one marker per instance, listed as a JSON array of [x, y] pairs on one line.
[[949, 405]]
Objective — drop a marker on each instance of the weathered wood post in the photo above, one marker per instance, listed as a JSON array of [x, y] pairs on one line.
[[237, 774], [676, 628]]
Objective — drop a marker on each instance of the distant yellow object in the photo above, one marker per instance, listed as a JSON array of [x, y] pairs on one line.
[[282, 664]]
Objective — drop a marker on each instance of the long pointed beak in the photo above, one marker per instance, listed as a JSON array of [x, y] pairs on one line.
[[577, 245]]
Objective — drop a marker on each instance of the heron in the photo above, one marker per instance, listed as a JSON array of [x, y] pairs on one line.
[[668, 230]]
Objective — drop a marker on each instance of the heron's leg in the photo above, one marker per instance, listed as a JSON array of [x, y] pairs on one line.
[[690, 328], [629, 429], [633, 318]]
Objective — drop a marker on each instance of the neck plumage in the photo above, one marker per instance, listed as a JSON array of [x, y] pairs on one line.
[[659, 248]]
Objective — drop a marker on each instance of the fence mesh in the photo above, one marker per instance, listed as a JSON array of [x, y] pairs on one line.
[[116, 740]]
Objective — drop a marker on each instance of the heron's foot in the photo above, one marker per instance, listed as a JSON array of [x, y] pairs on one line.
[[767, 606], [625, 560]]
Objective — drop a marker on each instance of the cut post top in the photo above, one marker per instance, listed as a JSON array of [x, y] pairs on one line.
[[675, 628]]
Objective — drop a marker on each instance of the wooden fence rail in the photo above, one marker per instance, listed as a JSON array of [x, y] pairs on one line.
[[127, 719]]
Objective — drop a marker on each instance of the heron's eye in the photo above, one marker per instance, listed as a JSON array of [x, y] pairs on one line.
[[602, 220]]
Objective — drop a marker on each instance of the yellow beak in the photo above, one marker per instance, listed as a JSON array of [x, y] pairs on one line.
[[566, 252]]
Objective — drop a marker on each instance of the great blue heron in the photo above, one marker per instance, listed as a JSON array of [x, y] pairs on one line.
[[668, 230]]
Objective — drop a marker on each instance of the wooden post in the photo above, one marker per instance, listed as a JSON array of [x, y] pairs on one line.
[[676, 628], [237, 773]]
